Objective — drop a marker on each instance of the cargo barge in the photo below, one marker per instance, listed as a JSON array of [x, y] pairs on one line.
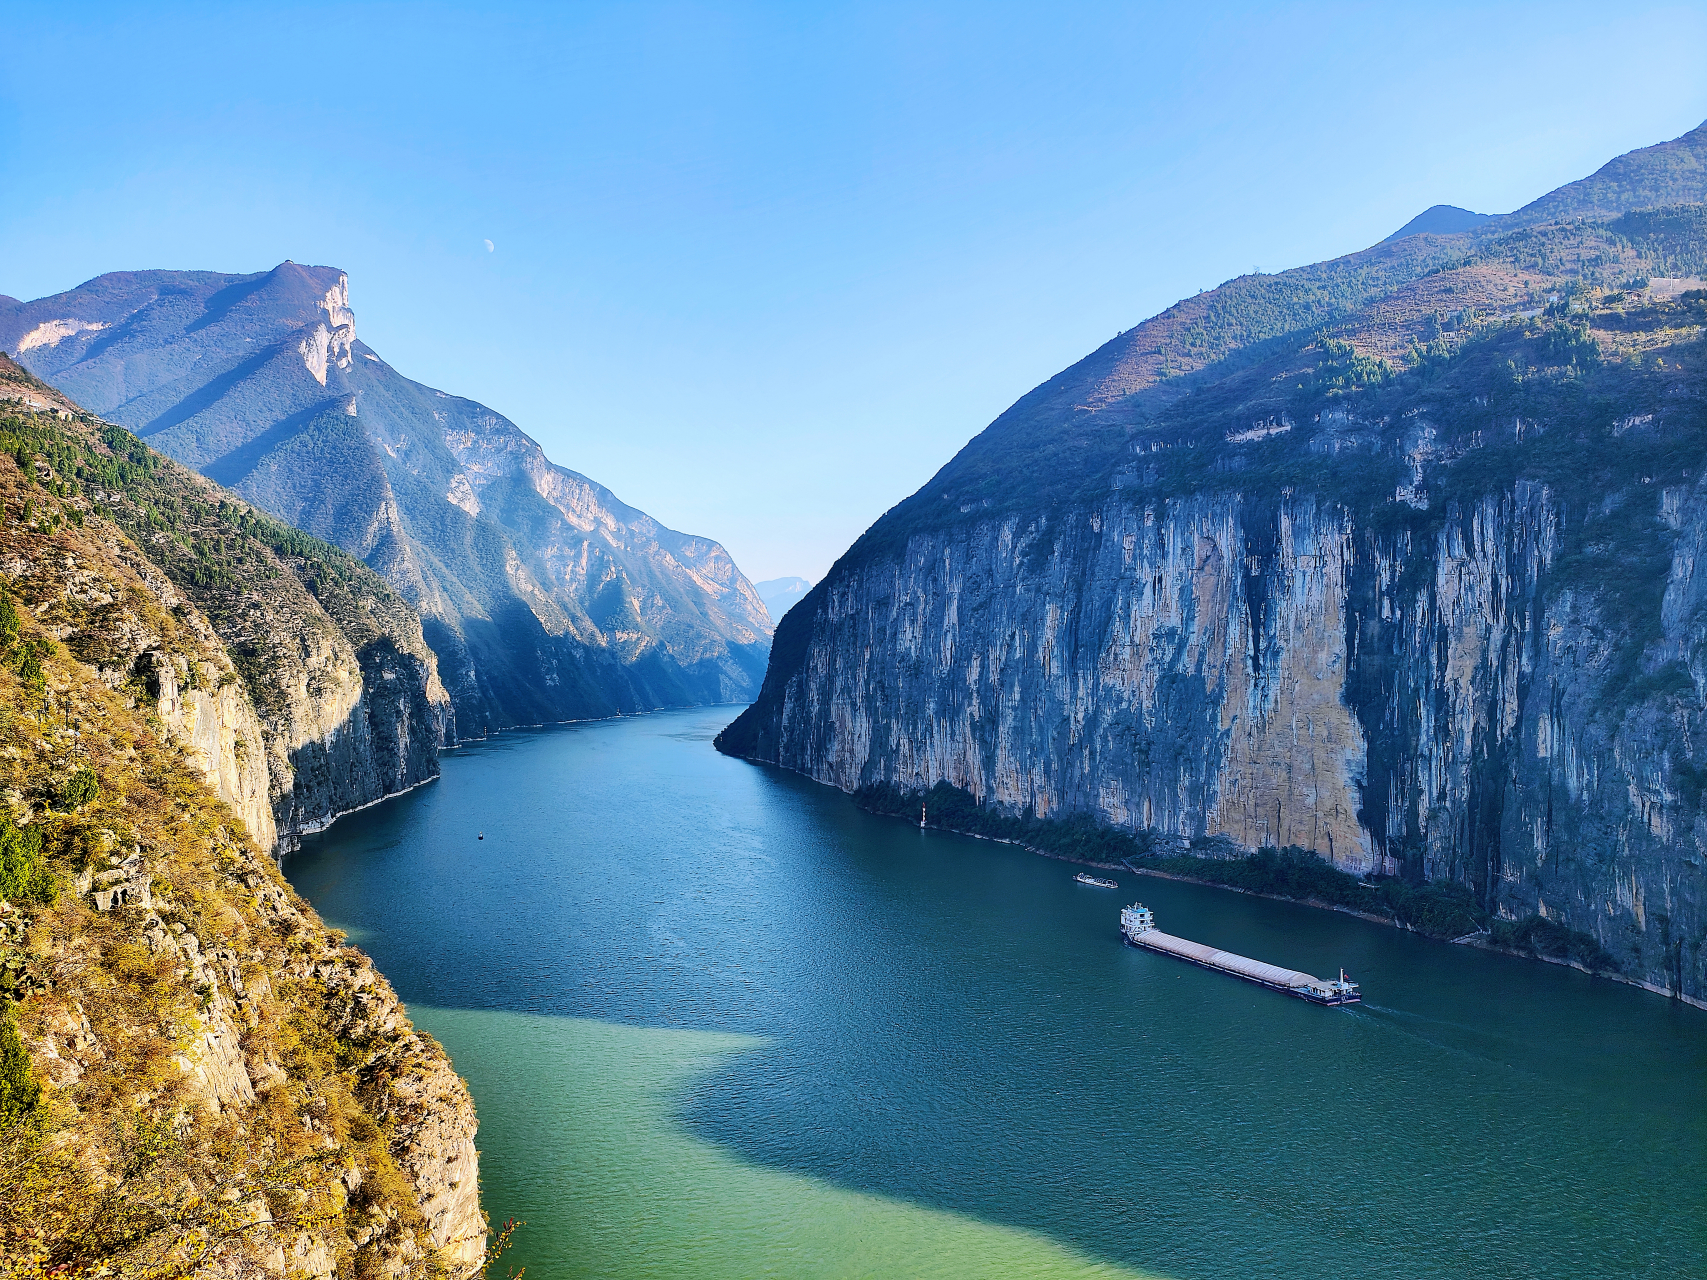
[[1138, 927]]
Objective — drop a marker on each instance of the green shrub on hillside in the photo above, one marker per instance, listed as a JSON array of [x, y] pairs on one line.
[[20, 1093], [1436, 908], [80, 789], [24, 873], [30, 671], [1539, 936]]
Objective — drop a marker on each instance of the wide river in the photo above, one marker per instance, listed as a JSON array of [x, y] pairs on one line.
[[720, 1023]]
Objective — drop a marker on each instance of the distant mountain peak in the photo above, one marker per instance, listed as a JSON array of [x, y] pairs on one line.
[[782, 594], [1440, 220], [550, 599]]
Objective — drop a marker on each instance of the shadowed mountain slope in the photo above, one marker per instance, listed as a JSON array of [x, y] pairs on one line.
[[544, 597]]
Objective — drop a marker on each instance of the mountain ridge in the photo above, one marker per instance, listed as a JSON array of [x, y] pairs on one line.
[[1326, 559], [1667, 173], [544, 597]]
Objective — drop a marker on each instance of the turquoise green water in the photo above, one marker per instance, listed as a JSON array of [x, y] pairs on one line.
[[625, 1189], [718, 1022]]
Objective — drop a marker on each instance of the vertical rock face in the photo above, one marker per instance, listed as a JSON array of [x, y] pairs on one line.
[[306, 688], [165, 975], [219, 731], [1144, 663], [1417, 591], [1025, 660], [347, 727]]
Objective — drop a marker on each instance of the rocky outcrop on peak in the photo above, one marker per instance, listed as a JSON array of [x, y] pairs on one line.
[[328, 342], [543, 597]]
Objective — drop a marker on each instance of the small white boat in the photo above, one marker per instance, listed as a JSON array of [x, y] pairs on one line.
[[1096, 882]]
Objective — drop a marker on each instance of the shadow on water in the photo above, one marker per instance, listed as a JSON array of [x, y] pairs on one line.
[[953, 1024]]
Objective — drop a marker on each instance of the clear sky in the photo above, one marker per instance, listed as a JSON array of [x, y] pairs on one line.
[[762, 269]]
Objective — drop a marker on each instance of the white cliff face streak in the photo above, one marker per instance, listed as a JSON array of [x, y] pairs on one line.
[[53, 332], [328, 343]]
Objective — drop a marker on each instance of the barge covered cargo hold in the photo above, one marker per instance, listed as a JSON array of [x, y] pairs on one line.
[[1138, 926]]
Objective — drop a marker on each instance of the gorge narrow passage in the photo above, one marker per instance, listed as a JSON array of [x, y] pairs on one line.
[[719, 1022]]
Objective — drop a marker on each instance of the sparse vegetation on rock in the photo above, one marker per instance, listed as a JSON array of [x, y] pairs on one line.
[[197, 1077], [340, 701]]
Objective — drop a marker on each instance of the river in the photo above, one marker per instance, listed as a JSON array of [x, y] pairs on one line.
[[720, 1023]]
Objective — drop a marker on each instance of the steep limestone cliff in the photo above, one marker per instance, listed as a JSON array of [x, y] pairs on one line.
[[1416, 591], [215, 1084], [214, 721], [338, 702]]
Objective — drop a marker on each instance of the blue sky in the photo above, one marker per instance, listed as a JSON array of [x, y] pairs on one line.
[[762, 269]]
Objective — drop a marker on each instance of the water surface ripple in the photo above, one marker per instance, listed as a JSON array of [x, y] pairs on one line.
[[718, 1022]]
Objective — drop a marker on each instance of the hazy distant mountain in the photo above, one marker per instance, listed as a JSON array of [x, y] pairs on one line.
[[781, 594], [544, 596], [1440, 220]]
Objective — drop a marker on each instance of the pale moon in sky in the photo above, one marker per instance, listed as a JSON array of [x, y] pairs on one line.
[[488, 246]]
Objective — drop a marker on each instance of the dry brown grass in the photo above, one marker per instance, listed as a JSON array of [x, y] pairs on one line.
[[129, 1167]]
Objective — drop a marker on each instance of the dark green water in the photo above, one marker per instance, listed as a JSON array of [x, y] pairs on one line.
[[718, 1022]]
